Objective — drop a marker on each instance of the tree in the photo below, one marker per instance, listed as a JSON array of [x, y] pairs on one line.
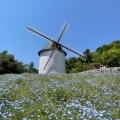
[[88, 56], [70, 63], [108, 55], [111, 58], [8, 64], [18, 67], [31, 68]]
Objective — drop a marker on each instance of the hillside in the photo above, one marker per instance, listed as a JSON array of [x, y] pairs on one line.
[[81, 96], [107, 55]]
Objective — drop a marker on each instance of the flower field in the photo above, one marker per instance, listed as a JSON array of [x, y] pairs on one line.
[[81, 96]]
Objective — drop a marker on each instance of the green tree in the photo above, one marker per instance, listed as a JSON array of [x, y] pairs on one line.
[[18, 67], [70, 63], [87, 55], [8, 64], [31, 68], [111, 58], [108, 55]]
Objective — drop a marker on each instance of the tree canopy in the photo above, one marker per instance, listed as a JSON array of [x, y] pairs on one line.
[[8, 64], [108, 55]]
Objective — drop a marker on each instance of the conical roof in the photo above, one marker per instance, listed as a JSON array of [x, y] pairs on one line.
[[49, 46]]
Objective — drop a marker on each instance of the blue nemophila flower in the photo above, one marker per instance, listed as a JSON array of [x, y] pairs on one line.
[[85, 95]]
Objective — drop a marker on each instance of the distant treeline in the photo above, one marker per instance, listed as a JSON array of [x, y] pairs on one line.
[[107, 55], [8, 64]]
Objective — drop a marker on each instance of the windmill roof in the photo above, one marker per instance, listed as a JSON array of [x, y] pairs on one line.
[[48, 47]]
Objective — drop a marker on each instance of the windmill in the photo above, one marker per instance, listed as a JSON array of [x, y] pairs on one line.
[[52, 56]]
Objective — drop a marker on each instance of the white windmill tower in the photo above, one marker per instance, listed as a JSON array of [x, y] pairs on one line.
[[52, 56]]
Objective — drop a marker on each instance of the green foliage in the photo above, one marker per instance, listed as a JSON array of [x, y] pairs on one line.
[[88, 55], [108, 55], [70, 63], [8, 64], [31, 68], [111, 58]]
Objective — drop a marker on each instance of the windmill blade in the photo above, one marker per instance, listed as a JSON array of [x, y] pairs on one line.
[[73, 51], [65, 25], [48, 38], [49, 58], [40, 34]]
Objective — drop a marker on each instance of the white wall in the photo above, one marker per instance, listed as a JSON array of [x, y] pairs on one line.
[[55, 65]]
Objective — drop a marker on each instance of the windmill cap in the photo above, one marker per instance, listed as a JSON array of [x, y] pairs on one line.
[[49, 46]]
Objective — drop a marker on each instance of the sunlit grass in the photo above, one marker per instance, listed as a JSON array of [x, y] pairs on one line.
[[60, 97]]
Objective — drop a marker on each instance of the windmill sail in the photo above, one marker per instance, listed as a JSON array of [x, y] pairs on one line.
[[40, 34], [51, 60], [56, 46], [64, 27], [48, 38]]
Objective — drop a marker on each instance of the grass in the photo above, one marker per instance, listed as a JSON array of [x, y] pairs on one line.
[[82, 96]]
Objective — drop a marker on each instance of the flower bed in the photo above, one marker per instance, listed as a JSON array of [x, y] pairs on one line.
[[86, 95]]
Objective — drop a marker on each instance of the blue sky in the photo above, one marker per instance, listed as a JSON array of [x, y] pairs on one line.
[[92, 24]]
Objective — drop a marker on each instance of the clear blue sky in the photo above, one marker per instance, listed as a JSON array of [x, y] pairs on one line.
[[92, 24]]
